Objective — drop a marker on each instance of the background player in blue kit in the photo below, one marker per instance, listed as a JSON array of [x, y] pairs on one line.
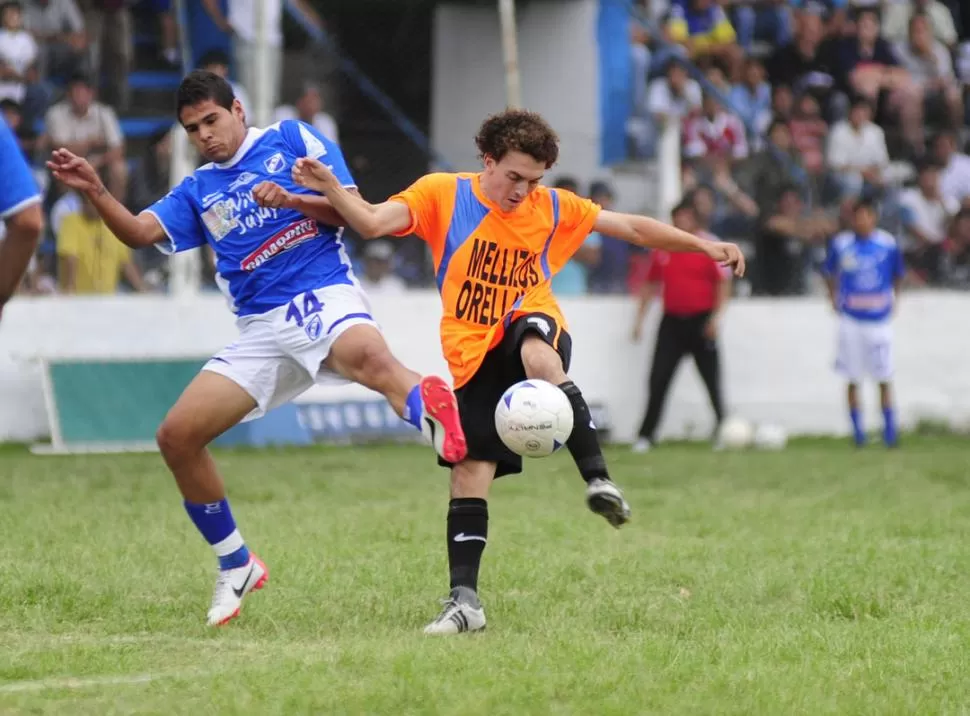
[[864, 268], [20, 211], [302, 316]]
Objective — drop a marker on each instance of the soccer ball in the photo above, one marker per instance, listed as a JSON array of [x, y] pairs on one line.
[[735, 433], [534, 418]]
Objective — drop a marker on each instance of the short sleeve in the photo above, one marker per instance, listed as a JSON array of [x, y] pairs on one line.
[[576, 218], [179, 219], [424, 199], [306, 141]]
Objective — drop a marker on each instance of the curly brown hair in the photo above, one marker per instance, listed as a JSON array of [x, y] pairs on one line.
[[518, 130]]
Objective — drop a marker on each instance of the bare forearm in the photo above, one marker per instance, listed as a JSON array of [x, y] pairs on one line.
[[654, 234], [133, 231], [355, 211], [319, 208]]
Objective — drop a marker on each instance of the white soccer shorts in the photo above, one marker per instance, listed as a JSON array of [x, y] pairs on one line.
[[865, 348], [280, 353]]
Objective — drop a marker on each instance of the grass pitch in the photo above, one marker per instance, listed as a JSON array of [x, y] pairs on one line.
[[815, 580]]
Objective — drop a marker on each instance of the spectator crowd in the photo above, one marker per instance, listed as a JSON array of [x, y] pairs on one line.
[[788, 111]]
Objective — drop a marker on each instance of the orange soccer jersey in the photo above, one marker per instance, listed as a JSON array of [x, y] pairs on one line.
[[492, 266]]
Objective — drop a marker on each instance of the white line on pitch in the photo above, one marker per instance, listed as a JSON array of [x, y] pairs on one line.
[[93, 682]]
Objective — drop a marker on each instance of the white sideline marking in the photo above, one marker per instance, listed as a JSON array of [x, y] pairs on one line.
[[76, 683]]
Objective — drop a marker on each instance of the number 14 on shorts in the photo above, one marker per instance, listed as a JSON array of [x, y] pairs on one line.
[[309, 318]]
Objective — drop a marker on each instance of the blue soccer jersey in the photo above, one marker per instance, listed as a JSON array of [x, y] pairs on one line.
[[264, 257], [18, 190], [865, 270]]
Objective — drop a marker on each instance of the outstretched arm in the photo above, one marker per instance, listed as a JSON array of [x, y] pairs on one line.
[[650, 233], [134, 231], [369, 220]]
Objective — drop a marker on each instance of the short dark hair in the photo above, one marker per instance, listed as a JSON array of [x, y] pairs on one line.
[[214, 57], [518, 130], [865, 202], [685, 204], [200, 85]]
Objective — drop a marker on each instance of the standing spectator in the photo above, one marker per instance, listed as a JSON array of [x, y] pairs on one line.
[[703, 29], [930, 65], [309, 108], [672, 97], [775, 166], [58, 27], [864, 268], [786, 238], [92, 260], [899, 14], [217, 62], [378, 277], [695, 293], [18, 55], [91, 130], [573, 279], [857, 152], [110, 47], [808, 133], [925, 217], [955, 174]]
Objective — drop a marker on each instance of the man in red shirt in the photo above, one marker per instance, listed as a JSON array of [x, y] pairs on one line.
[[695, 291]]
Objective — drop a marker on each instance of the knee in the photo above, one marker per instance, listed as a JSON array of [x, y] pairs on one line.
[[176, 439], [541, 361], [472, 478], [374, 365]]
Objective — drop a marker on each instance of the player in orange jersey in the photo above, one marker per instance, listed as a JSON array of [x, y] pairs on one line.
[[497, 238]]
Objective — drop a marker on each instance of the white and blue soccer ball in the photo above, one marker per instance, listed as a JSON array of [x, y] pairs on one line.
[[534, 418]]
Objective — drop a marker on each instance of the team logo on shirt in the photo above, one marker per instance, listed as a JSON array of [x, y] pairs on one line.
[[209, 199], [220, 219], [275, 163], [292, 235]]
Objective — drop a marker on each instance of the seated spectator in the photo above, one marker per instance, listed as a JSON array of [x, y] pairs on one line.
[[775, 166], [91, 259], [957, 257], [309, 108], [217, 62], [18, 59], [378, 276], [713, 139], [898, 16], [785, 241], [856, 152], [833, 12], [610, 275], [868, 66], [805, 64], [702, 28], [808, 131], [58, 28], [91, 130], [930, 65], [925, 217], [751, 99], [782, 102], [955, 174], [769, 21], [670, 98], [573, 278]]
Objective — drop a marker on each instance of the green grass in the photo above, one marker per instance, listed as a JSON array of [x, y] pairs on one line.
[[811, 581]]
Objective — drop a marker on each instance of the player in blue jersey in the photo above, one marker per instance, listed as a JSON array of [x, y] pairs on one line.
[[302, 316], [20, 212], [864, 268]]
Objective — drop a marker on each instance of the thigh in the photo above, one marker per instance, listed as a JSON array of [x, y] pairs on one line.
[[310, 326], [476, 405], [543, 326], [256, 363], [878, 346], [210, 405], [850, 360]]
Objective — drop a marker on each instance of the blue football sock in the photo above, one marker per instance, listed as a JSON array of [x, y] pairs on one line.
[[889, 435], [858, 434], [413, 407], [214, 520]]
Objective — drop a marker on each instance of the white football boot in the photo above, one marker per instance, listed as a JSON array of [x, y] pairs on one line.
[[231, 586], [604, 498], [462, 612]]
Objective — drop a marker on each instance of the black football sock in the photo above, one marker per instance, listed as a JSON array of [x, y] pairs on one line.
[[467, 535], [584, 443]]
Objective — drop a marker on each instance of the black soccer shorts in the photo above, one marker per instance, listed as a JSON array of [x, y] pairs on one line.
[[502, 368]]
